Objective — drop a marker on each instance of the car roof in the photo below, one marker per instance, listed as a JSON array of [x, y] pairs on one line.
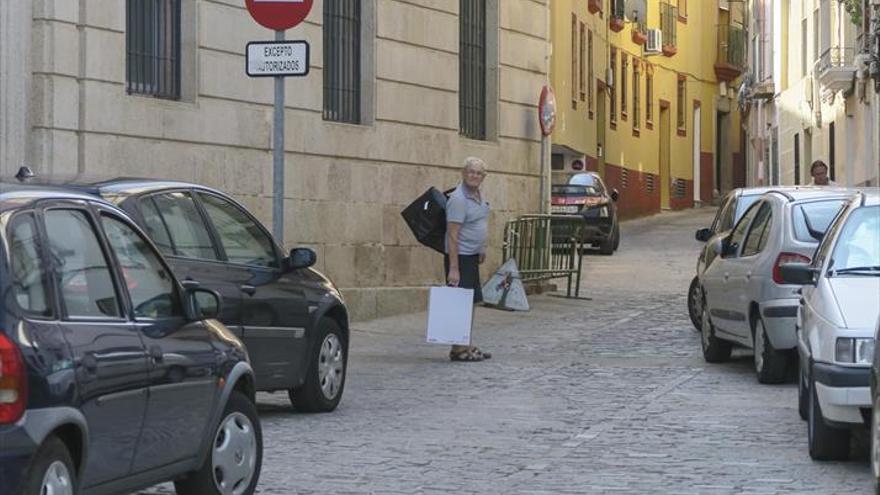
[[115, 189], [813, 193], [871, 196], [795, 191], [15, 195]]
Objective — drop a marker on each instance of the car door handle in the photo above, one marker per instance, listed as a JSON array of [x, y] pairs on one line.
[[156, 354], [749, 276], [248, 289]]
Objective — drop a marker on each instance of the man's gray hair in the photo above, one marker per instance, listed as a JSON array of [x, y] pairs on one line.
[[475, 163]]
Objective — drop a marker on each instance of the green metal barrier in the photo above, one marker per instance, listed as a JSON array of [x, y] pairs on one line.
[[546, 247]]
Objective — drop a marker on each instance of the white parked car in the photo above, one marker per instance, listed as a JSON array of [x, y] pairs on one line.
[[745, 301], [836, 325]]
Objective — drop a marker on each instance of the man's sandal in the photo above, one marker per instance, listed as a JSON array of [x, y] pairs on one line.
[[469, 355]]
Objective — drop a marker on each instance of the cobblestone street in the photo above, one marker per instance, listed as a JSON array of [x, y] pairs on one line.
[[602, 395]]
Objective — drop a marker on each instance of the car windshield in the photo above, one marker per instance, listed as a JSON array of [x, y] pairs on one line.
[[858, 245], [743, 204], [811, 220], [583, 180], [574, 191]]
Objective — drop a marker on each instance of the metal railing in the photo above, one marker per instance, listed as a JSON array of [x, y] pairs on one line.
[[836, 57], [546, 247], [731, 45], [669, 23]]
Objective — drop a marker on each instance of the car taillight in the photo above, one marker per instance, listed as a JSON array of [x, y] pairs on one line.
[[13, 382], [784, 258]]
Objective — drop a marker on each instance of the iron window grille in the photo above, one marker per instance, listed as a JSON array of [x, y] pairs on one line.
[[624, 64], [472, 69], [668, 24], [590, 70], [649, 95], [582, 45], [636, 109], [574, 60], [611, 91], [681, 97], [342, 61], [152, 44]]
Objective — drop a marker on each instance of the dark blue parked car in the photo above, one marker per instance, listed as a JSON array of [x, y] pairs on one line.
[[113, 377]]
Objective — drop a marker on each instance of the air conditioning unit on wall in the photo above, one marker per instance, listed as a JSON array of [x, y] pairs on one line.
[[655, 41]]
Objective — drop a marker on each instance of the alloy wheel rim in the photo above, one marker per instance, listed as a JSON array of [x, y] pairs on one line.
[[706, 327], [875, 441], [695, 302], [57, 480], [759, 346], [235, 455], [331, 366]]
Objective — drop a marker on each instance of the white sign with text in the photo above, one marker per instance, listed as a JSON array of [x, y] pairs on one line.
[[277, 58]]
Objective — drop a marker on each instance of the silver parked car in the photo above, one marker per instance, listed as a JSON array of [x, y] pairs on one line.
[[745, 301], [733, 205], [836, 326]]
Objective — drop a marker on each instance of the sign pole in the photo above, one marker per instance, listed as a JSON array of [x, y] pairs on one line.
[[278, 157]]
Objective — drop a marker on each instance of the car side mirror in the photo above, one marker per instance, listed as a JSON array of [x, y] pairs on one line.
[[615, 195], [201, 304], [301, 258], [703, 235], [797, 274]]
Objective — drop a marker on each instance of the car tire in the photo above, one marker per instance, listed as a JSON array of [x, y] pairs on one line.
[[770, 364], [803, 397], [51, 470], [875, 443], [325, 378], [826, 443], [606, 247], [695, 303], [715, 350], [238, 432]]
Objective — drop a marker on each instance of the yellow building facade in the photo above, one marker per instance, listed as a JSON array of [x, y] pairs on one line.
[[645, 96]]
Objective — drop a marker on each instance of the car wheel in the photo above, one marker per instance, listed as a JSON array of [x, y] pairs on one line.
[[803, 397], [325, 378], [826, 443], [233, 465], [875, 443], [607, 246], [695, 303], [715, 350], [51, 470], [770, 364]]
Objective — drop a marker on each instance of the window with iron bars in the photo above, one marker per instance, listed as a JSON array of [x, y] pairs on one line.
[[574, 60], [612, 107], [152, 46], [624, 64], [582, 45], [649, 95], [472, 68], [636, 109], [681, 97], [590, 70], [342, 61]]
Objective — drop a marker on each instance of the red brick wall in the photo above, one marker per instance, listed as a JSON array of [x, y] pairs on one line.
[[592, 164], [635, 199], [707, 176]]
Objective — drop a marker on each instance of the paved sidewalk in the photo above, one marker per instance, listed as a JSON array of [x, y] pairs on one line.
[[607, 395]]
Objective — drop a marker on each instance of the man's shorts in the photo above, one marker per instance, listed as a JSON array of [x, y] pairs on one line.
[[469, 270]]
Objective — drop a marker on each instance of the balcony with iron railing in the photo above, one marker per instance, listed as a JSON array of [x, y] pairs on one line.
[[616, 20], [836, 68], [639, 31], [730, 59], [669, 27]]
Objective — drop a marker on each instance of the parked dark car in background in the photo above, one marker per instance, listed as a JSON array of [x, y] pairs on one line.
[[113, 377], [588, 196], [291, 317]]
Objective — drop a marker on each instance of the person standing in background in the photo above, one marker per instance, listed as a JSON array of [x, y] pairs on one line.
[[467, 226]]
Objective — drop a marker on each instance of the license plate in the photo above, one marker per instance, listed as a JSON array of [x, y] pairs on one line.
[[563, 209]]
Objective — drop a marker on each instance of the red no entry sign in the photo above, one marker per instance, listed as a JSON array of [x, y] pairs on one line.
[[279, 15]]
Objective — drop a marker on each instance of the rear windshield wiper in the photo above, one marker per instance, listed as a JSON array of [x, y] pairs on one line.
[[868, 270]]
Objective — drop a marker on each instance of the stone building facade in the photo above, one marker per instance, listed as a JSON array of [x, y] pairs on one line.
[[68, 106]]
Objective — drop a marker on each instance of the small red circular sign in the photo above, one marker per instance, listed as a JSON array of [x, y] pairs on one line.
[[547, 110], [279, 15]]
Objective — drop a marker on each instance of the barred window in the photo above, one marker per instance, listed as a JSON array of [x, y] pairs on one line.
[[681, 97], [636, 109], [582, 45], [612, 92], [472, 68], [624, 63], [574, 60], [152, 45], [649, 94], [590, 71], [342, 61]]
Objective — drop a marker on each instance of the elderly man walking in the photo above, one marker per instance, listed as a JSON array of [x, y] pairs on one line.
[[467, 222]]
